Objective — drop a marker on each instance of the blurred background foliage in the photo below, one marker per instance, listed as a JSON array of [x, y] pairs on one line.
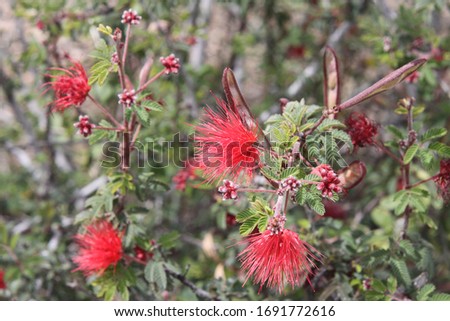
[[47, 171]]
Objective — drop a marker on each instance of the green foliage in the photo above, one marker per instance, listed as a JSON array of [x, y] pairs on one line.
[[101, 69], [156, 275], [114, 284], [256, 216]]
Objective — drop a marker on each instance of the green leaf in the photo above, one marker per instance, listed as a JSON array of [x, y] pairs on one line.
[[249, 225], [300, 197], [97, 135], [154, 273], [169, 240], [410, 153], [262, 224], [330, 123], [395, 131], [290, 171], [440, 297], [440, 148], [245, 215], [400, 270], [426, 158], [150, 104], [105, 29], [408, 248], [426, 262], [142, 114], [100, 70], [433, 133], [274, 119], [425, 292]]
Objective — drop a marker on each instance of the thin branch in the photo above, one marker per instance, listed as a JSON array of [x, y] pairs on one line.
[[125, 48], [155, 77], [388, 152], [422, 182], [106, 112], [199, 293]]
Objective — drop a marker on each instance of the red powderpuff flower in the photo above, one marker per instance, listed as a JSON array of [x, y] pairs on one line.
[[2, 280], [330, 182], [100, 247], [275, 260], [442, 180], [71, 88], [225, 145], [361, 130]]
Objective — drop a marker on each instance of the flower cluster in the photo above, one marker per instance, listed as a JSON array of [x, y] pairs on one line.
[[274, 259], [131, 17], [171, 63], [100, 247], [225, 145], [84, 126], [71, 88], [330, 182], [361, 130], [127, 97], [290, 183], [228, 190], [442, 180]]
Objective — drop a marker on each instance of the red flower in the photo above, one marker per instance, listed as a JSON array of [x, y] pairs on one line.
[[443, 179], [100, 247], [228, 190], [84, 126], [71, 87], [361, 130], [330, 182], [130, 16], [2, 280], [276, 259], [225, 145], [171, 63]]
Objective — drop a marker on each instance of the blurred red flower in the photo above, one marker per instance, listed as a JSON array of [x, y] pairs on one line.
[[276, 259], [100, 247], [361, 129], [225, 145], [2, 280], [443, 179], [71, 88]]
